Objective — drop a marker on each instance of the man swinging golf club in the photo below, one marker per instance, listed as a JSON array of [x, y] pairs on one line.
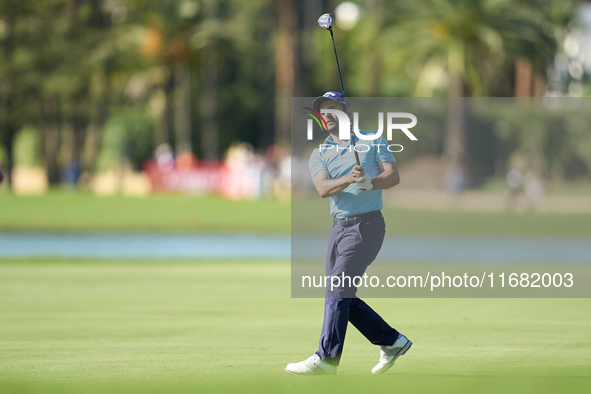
[[354, 183], [355, 239]]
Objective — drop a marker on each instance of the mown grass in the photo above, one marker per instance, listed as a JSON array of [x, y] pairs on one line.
[[231, 326], [74, 212], [62, 211]]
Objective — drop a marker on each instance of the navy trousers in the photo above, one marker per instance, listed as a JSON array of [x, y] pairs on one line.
[[353, 245]]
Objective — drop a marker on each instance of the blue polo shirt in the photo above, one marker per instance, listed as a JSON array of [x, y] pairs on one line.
[[339, 160]]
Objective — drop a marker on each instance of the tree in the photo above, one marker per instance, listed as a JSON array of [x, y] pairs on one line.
[[11, 13], [166, 41], [463, 38], [286, 77]]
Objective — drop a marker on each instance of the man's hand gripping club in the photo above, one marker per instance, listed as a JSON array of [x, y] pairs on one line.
[[359, 176], [327, 187]]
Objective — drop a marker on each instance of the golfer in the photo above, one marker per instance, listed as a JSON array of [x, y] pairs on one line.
[[355, 239]]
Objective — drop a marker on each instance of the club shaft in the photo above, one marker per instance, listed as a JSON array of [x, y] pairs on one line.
[[344, 96], [338, 66]]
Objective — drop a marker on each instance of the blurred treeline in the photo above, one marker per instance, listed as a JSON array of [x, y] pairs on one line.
[[84, 83]]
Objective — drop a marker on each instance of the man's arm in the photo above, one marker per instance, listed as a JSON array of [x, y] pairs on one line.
[[327, 187], [389, 176]]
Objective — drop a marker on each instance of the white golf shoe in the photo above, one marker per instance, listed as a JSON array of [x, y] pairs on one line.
[[311, 366], [389, 354]]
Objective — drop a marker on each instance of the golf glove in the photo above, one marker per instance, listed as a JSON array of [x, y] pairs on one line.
[[365, 184]]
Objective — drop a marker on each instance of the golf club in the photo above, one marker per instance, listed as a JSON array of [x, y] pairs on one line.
[[325, 22]]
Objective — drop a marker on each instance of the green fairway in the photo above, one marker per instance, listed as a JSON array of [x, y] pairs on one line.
[[120, 326], [310, 215], [62, 211]]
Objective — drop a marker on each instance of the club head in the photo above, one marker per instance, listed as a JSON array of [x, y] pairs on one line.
[[325, 21]]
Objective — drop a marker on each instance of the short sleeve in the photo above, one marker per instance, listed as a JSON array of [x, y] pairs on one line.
[[384, 154], [316, 165]]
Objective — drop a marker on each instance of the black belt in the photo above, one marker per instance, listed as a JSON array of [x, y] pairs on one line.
[[348, 222]]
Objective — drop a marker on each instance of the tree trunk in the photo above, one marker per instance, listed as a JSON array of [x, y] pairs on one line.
[[9, 145], [307, 59], [265, 87], [79, 123], [97, 122], [8, 127], [182, 104], [165, 118], [375, 12], [209, 109], [8, 130], [77, 138], [51, 139], [209, 96], [455, 139], [523, 78], [285, 72]]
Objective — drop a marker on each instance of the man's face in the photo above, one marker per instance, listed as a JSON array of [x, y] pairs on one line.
[[331, 119]]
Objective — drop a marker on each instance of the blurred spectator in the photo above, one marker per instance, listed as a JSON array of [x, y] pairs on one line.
[[186, 161], [273, 155], [277, 171], [285, 170], [283, 177], [454, 182], [514, 180], [243, 173], [534, 190], [300, 175], [164, 158], [71, 173]]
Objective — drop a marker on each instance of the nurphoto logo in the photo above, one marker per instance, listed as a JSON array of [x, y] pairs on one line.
[[345, 127]]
